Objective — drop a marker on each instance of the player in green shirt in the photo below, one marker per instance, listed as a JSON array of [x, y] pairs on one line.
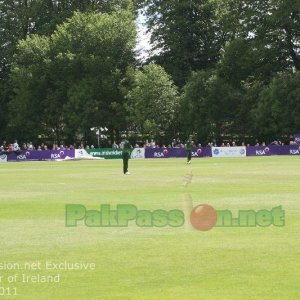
[[188, 148], [125, 145]]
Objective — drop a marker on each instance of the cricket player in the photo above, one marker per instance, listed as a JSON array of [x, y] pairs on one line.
[[125, 145], [188, 148]]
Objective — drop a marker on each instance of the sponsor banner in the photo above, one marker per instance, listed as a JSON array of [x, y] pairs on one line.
[[175, 152], [259, 151], [113, 153], [285, 150], [138, 153], [107, 153], [3, 158], [81, 153], [273, 150], [229, 151], [40, 155]]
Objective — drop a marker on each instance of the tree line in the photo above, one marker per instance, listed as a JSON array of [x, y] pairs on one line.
[[219, 70]]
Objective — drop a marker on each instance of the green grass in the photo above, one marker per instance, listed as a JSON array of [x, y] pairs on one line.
[[152, 263]]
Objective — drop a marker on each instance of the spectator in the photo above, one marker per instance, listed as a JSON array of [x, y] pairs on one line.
[[16, 146], [4, 147], [152, 144], [30, 146], [173, 144], [146, 144]]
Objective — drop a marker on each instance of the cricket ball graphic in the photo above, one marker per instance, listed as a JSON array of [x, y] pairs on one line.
[[203, 217]]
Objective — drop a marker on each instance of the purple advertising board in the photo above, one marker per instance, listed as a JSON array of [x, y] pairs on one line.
[[258, 151], [151, 153], [273, 150], [176, 152], [40, 155], [207, 151], [285, 150]]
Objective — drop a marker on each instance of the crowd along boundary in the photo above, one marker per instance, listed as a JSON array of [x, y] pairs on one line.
[[141, 153]]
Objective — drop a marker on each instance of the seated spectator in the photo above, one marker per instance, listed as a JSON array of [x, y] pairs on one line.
[[152, 144], [30, 146], [146, 144], [16, 146], [174, 144], [115, 145], [4, 147], [275, 143]]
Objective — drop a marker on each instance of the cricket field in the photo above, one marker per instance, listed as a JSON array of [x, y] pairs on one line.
[[42, 258]]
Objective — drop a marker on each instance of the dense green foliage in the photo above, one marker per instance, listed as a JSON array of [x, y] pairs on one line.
[[66, 66], [70, 81], [153, 101]]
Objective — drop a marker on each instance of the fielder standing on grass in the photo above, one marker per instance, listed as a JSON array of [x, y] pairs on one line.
[[188, 148], [125, 145]]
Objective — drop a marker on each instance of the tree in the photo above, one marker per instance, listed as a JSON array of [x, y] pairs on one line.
[[273, 26], [248, 61], [22, 18], [69, 82], [209, 106], [153, 101], [186, 35], [278, 109]]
